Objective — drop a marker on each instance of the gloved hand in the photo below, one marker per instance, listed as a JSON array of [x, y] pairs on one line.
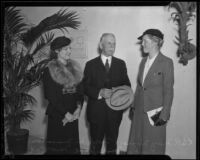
[[77, 113], [68, 118], [160, 122]]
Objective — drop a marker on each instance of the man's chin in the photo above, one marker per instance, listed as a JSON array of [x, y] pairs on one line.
[[111, 53]]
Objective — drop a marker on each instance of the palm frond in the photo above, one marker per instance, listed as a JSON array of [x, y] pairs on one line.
[[60, 20], [33, 76], [176, 5], [20, 100], [23, 64], [26, 115], [8, 118], [43, 41], [192, 6], [20, 116], [27, 99], [14, 21]]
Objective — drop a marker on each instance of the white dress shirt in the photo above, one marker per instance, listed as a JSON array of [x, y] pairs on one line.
[[104, 58], [148, 64]]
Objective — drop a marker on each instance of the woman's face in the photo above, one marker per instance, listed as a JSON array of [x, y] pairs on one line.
[[147, 43], [65, 52]]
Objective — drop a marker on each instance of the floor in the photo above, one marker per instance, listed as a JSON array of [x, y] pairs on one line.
[[36, 147]]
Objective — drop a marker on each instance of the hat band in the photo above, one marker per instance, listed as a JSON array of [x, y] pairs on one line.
[[111, 98]]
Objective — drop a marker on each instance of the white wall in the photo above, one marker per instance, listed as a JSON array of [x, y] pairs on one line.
[[127, 23]]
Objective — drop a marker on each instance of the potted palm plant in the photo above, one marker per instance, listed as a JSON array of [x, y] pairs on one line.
[[185, 11], [23, 63]]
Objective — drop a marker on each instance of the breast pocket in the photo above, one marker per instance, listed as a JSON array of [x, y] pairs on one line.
[[157, 77]]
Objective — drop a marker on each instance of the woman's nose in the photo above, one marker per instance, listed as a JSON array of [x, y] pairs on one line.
[[142, 43]]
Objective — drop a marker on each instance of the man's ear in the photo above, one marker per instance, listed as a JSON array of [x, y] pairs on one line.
[[100, 45]]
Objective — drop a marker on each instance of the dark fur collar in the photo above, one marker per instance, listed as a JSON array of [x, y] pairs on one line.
[[66, 75]]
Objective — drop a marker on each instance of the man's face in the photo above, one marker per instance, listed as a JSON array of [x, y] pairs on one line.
[[108, 45]]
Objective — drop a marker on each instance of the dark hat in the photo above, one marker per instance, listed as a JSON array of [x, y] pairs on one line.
[[153, 32], [60, 42], [121, 98]]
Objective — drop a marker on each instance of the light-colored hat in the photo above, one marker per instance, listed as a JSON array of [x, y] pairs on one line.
[[121, 98]]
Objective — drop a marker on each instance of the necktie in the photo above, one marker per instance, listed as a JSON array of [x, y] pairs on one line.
[[107, 66]]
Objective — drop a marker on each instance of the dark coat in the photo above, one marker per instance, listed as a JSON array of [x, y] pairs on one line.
[[96, 78], [60, 139], [59, 103], [156, 91]]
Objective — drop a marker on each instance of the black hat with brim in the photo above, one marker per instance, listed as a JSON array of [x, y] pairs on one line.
[[153, 32], [60, 42]]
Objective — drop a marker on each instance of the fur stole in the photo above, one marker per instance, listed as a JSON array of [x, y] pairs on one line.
[[68, 75]]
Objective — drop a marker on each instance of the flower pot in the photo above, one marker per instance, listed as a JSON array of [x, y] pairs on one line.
[[17, 141]]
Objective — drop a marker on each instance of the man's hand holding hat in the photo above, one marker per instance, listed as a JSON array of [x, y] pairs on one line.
[[105, 93]]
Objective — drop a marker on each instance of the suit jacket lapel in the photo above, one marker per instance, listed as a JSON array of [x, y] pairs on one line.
[[140, 76], [112, 65], [100, 65], [152, 68]]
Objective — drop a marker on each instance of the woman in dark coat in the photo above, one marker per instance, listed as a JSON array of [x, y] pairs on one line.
[[61, 81]]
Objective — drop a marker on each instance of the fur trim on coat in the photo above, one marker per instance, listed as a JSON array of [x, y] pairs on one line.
[[67, 75]]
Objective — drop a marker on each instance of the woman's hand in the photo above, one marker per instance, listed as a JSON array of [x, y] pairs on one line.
[[68, 118], [77, 112]]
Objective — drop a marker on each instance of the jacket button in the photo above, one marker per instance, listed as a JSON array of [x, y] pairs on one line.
[[144, 89]]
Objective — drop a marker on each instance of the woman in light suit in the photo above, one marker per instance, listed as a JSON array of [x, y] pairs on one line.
[[154, 92]]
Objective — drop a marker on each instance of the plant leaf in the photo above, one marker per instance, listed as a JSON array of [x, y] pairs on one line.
[[25, 115], [59, 20], [43, 41], [14, 21]]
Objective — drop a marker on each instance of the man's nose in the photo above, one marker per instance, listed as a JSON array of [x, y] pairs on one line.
[[112, 46]]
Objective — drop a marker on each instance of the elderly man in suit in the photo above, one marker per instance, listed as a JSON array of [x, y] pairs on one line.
[[101, 74], [153, 97]]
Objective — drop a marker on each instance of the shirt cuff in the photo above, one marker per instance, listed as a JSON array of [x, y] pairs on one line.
[[99, 97]]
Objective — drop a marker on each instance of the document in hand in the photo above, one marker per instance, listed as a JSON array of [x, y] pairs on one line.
[[153, 115]]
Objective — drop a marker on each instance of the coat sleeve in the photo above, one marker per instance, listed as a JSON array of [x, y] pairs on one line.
[[125, 79], [168, 90], [80, 94], [90, 91], [53, 94], [136, 94]]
